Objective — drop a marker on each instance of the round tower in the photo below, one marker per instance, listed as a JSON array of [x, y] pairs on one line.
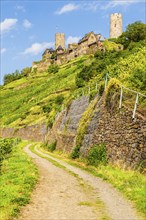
[[115, 25], [59, 40]]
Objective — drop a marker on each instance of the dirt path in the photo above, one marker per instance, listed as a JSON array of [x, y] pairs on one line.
[[60, 196]]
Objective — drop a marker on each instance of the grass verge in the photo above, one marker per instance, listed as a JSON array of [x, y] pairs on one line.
[[18, 177], [132, 184]]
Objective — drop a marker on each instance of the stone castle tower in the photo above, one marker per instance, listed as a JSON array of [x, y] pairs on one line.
[[59, 40], [115, 25]]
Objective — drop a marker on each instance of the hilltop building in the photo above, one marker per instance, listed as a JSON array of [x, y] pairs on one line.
[[115, 25], [88, 44], [59, 40]]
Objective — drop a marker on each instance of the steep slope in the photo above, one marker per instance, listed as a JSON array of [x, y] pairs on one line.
[[38, 98]]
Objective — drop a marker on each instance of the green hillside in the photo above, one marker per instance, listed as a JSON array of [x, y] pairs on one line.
[[38, 98]]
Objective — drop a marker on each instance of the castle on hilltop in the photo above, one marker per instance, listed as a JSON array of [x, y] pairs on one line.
[[89, 44]]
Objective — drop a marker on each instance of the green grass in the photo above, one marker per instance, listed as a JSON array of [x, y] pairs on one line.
[[131, 183], [18, 178]]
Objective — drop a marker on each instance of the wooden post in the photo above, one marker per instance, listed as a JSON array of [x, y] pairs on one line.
[[135, 106], [121, 96]]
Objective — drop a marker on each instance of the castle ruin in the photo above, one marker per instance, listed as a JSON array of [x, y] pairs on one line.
[[59, 40], [88, 44], [115, 25]]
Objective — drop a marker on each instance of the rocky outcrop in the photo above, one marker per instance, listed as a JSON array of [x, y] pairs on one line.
[[65, 127]]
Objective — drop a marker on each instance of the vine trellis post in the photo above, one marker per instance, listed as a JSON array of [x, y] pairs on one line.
[[135, 106]]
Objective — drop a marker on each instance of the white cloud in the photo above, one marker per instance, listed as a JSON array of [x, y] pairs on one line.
[[92, 6], [7, 25], [71, 40], [3, 50], [67, 8], [27, 24], [37, 48], [115, 3]]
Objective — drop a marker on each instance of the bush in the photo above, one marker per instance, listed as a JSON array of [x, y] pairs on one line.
[[59, 99], [112, 93], [50, 147], [11, 77], [97, 155], [76, 152], [53, 68], [85, 75], [47, 108], [101, 88]]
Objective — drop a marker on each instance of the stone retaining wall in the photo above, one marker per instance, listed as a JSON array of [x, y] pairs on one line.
[[34, 132]]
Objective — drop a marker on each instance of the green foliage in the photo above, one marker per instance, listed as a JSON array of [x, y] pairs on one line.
[[17, 75], [97, 155], [6, 145], [76, 152], [111, 46], [26, 71], [50, 147], [101, 88], [18, 178], [135, 32], [84, 121], [93, 93], [112, 93], [11, 77], [53, 68], [84, 75], [59, 100]]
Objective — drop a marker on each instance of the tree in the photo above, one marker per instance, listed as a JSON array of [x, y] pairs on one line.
[[26, 71], [135, 32]]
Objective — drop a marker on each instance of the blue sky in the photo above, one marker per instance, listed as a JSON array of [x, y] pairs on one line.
[[27, 28]]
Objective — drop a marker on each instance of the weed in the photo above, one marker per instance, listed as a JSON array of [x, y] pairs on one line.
[[97, 155], [76, 152]]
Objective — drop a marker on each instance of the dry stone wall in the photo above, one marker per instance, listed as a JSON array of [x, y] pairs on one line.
[[124, 137], [34, 132]]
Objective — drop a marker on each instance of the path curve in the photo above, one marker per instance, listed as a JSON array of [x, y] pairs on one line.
[[118, 207], [59, 196]]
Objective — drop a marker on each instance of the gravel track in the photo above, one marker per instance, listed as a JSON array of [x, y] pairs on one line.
[[58, 195]]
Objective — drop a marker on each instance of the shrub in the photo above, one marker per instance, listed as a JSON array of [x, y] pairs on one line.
[[85, 75], [93, 94], [97, 155], [12, 76], [47, 108], [101, 88], [50, 147], [59, 99], [76, 152], [53, 68], [112, 93]]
